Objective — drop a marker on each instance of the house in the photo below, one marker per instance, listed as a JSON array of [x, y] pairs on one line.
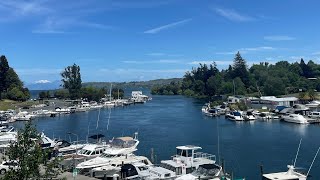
[[233, 100]]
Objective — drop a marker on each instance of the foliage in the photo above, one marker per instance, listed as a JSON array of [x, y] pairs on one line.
[[44, 94], [30, 157], [260, 79], [115, 93], [92, 94], [71, 79], [61, 94], [174, 88], [11, 86]]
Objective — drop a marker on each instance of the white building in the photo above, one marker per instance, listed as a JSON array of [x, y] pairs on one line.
[[285, 101]]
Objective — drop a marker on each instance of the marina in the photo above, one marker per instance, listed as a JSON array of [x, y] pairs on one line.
[[242, 146]]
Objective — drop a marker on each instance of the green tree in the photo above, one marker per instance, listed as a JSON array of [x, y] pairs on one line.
[[42, 95], [30, 157], [61, 94], [240, 69], [71, 79], [4, 67]]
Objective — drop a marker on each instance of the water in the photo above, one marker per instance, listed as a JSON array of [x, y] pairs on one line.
[[169, 121]]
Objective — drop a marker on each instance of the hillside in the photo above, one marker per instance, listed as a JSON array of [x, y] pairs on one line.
[[140, 84]]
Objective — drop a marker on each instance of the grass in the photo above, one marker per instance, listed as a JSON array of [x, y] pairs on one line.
[[9, 104]]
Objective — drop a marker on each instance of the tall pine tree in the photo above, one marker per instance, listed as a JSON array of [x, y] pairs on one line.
[[240, 69], [71, 79]]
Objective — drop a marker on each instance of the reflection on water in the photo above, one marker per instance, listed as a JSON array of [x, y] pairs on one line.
[[169, 121]]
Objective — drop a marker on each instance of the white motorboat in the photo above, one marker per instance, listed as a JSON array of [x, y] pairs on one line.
[[23, 116], [62, 110], [291, 174], [184, 162], [115, 164], [65, 148], [249, 116], [314, 114], [212, 112], [7, 135], [206, 171], [109, 104], [235, 116], [121, 146], [295, 118]]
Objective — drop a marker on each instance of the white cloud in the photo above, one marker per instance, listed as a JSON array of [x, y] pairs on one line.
[[167, 26], [38, 71], [54, 25], [278, 38], [129, 71], [42, 81], [232, 15]]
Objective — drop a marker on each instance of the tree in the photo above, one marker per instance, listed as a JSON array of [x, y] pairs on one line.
[[42, 95], [71, 79], [240, 69], [4, 67], [30, 156]]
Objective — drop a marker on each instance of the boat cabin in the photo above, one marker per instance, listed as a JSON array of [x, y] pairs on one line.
[[187, 160], [92, 150]]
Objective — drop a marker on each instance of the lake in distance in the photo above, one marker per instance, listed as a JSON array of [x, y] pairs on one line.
[[170, 121]]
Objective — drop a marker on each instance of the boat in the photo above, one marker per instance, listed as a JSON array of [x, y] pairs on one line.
[[205, 107], [206, 171], [145, 172], [7, 135], [23, 116], [292, 173], [121, 146], [265, 116], [249, 116], [235, 116], [295, 118], [115, 164], [184, 162], [65, 148], [314, 114]]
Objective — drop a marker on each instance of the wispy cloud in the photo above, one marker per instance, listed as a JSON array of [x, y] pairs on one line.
[[247, 50], [167, 26], [316, 53], [38, 71], [63, 25], [232, 15], [279, 38]]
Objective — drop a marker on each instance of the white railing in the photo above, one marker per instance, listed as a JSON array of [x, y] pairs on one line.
[[205, 156]]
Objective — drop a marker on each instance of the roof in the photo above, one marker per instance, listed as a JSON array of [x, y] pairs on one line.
[[273, 98], [125, 138], [188, 147]]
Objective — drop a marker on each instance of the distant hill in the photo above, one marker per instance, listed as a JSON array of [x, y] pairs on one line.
[[140, 84], [44, 85]]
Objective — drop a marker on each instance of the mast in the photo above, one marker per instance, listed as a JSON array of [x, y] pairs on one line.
[[110, 92]]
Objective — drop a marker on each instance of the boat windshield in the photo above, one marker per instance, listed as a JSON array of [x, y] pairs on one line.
[[104, 155], [85, 152], [236, 113], [169, 167], [206, 170], [123, 144]]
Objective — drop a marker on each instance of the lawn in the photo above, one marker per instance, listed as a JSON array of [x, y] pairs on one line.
[[9, 104]]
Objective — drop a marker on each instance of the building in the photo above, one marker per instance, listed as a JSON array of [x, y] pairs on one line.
[[271, 102], [233, 100], [138, 97]]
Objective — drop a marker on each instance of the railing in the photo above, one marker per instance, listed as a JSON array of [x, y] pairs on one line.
[[205, 156]]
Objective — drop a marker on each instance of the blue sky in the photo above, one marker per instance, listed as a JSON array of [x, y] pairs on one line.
[[129, 40]]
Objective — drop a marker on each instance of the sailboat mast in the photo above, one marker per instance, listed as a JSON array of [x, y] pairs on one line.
[[110, 92]]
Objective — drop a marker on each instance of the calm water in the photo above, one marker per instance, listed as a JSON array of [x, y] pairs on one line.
[[169, 121]]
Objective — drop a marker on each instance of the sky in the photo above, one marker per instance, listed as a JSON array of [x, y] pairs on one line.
[[137, 40]]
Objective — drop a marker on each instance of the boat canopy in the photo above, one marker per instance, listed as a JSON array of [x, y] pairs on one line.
[[188, 147], [123, 142]]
